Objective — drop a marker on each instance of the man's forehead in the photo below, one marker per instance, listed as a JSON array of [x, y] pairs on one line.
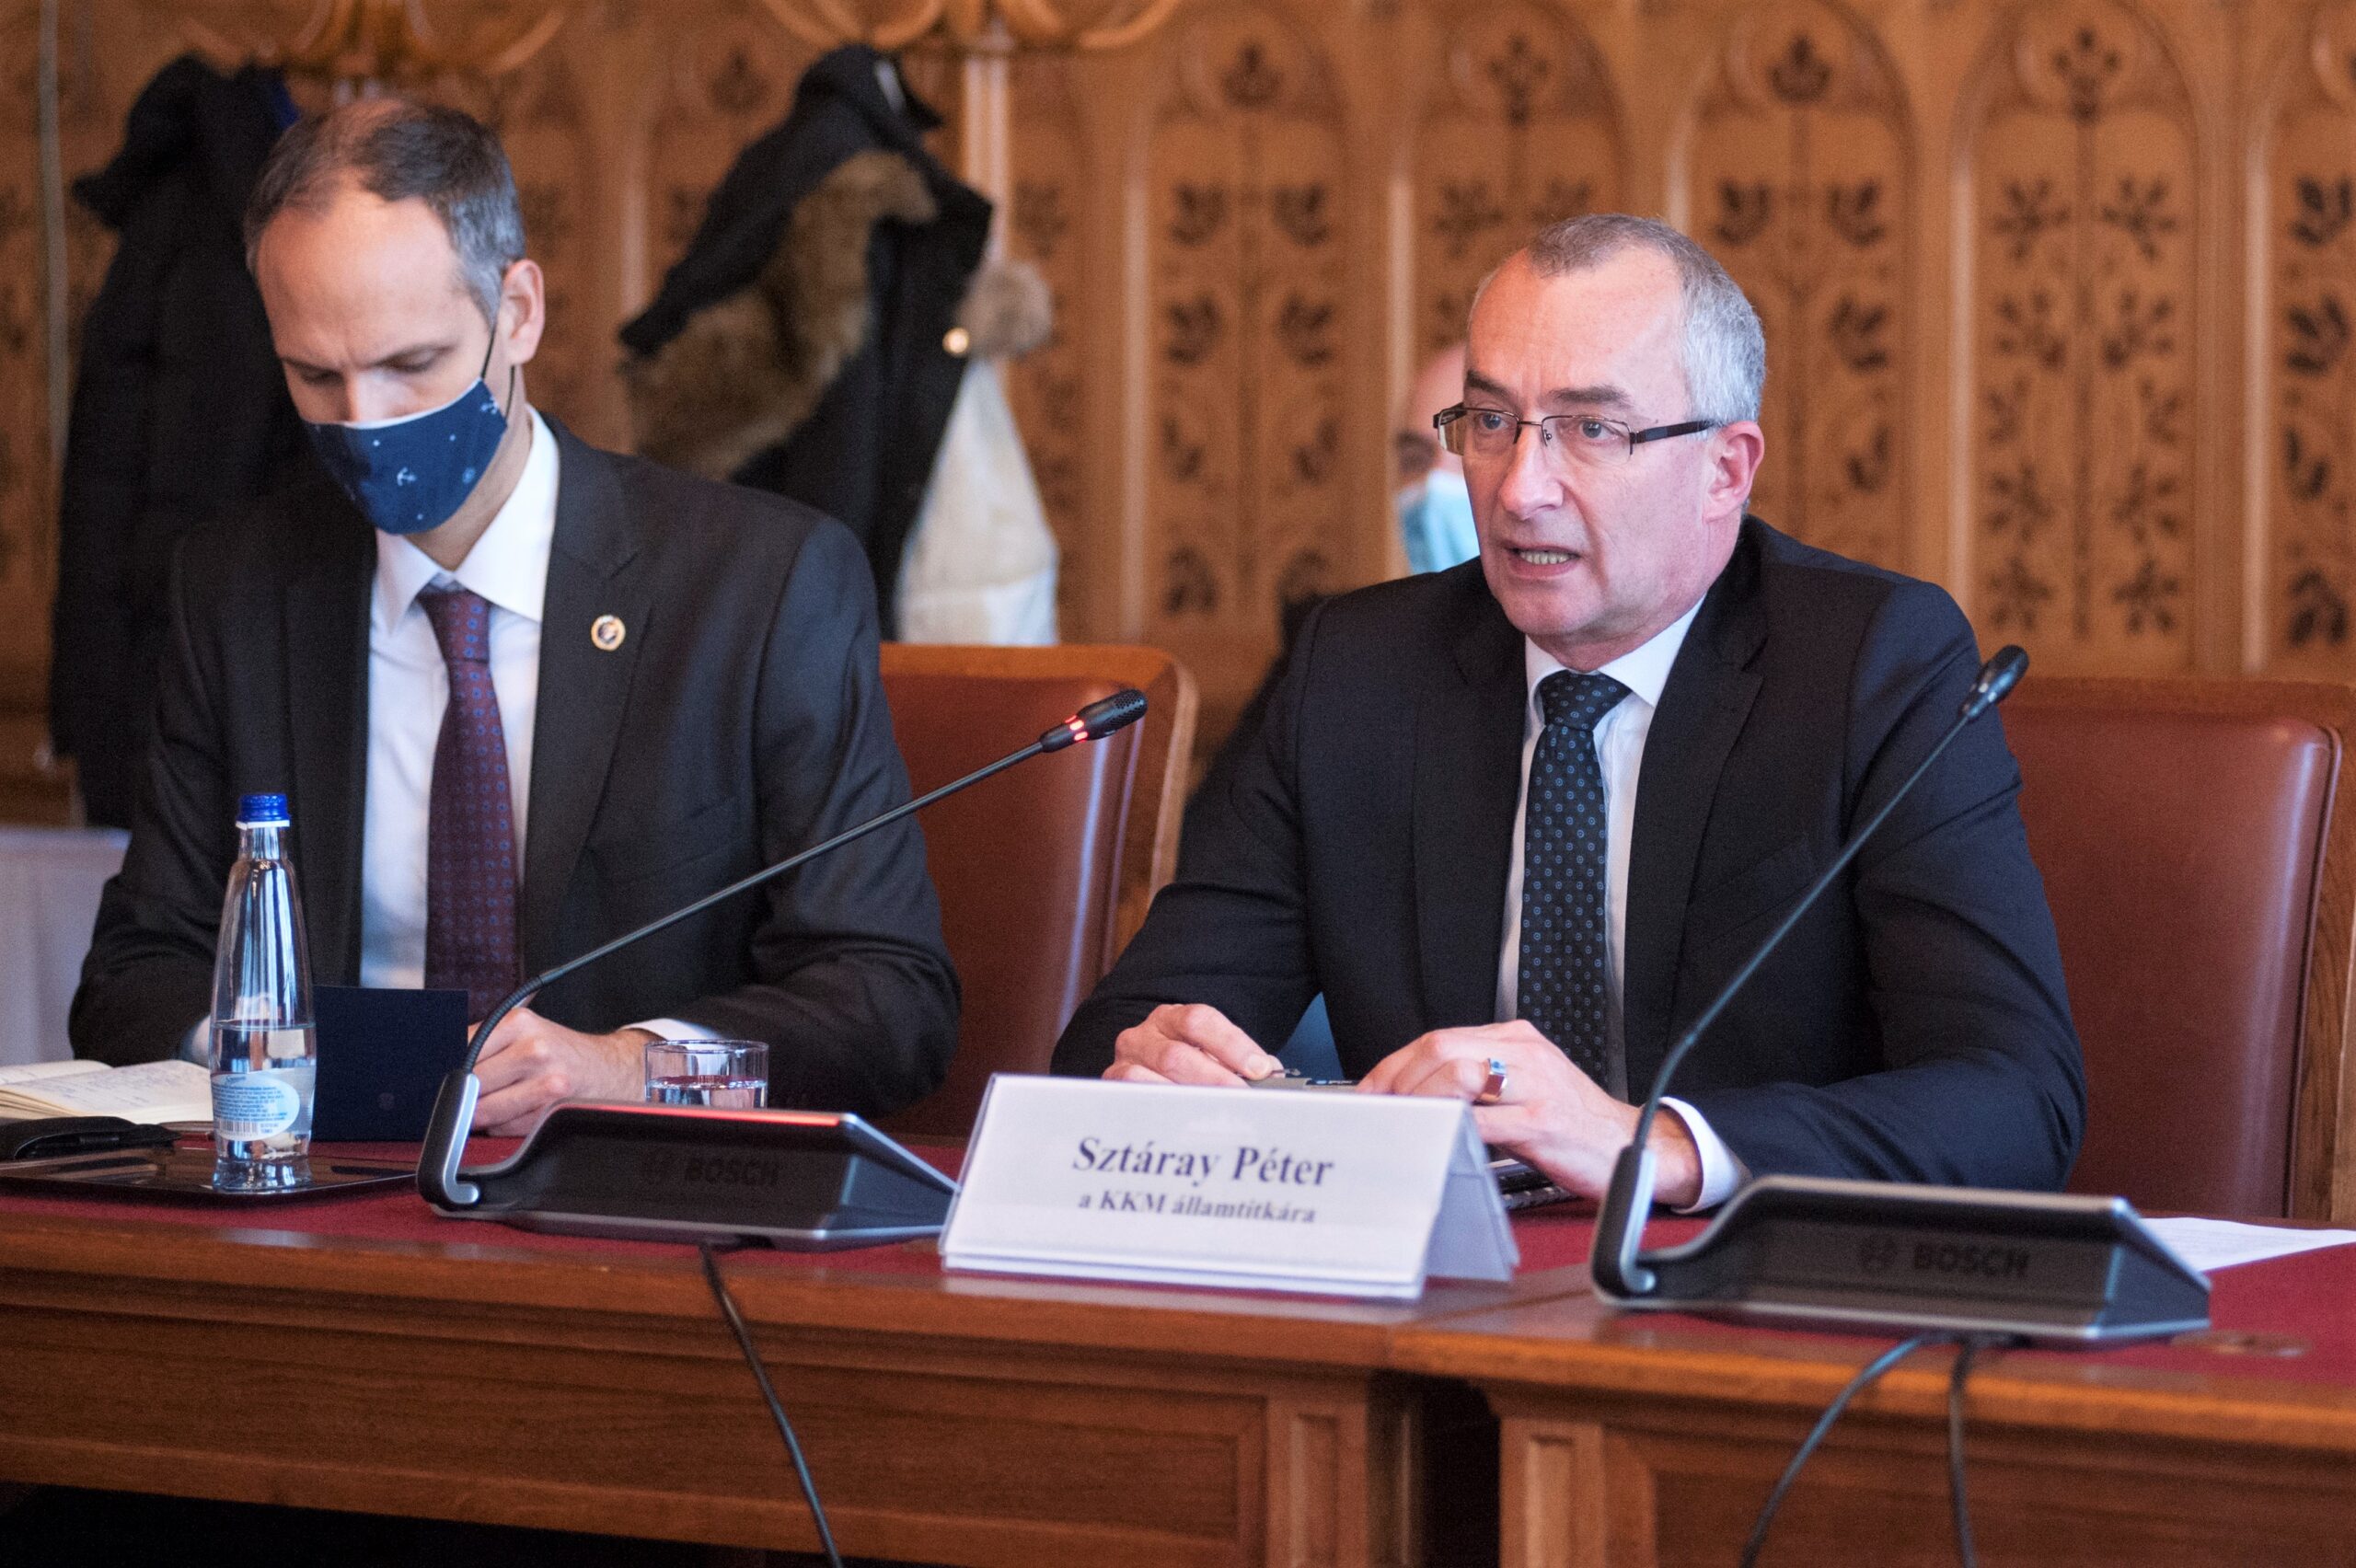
[[1600, 337], [377, 276], [345, 211], [1603, 395], [353, 239]]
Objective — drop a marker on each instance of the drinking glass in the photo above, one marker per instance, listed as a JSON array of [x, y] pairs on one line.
[[728, 1075]]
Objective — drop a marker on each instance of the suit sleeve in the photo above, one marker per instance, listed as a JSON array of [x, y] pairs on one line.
[[148, 975], [852, 983], [1981, 1082], [1231, 931]]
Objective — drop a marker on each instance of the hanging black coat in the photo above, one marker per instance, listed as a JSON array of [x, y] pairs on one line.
[[799, 344], [179, 407]]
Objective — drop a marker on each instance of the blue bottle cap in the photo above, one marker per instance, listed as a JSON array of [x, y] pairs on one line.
[[263, 811]]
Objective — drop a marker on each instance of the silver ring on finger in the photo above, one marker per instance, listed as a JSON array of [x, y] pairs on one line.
[[1492, 1088]]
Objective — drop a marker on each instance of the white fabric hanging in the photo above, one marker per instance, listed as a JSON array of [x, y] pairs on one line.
[[980, 565]]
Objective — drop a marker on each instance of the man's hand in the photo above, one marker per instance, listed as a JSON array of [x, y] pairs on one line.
[[1551, 1114], [1187, 1043], [529, 1064]]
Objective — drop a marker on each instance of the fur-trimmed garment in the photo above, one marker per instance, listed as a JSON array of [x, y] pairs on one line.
[[746, 372], [801, 345]]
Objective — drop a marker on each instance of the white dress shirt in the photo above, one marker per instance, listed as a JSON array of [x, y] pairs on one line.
[[1620, 750], [408, 687]]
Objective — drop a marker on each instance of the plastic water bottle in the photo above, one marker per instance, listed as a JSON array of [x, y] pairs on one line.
[[264, 1055]]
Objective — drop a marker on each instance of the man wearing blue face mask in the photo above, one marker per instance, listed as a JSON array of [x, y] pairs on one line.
[[1434, 506], [523, 694]]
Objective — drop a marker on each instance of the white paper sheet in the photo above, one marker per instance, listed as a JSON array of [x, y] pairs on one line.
[[2212, 1244]]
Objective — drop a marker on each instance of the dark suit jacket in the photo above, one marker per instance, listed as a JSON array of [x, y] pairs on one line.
[[740, 718], [1913, 1027]]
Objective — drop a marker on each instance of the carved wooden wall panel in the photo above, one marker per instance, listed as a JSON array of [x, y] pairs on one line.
[[2058, 294], [1249, 318], [26, 489], [2085, 203], [2304, 221], [1054, 205], [542, 119], [1796, 174], [1519, 128]]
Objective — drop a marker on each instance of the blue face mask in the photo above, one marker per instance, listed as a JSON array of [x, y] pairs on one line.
[[1436, 521], [411, 474]]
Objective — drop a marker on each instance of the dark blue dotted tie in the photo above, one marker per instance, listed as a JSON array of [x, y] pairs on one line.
[[1563, 989]]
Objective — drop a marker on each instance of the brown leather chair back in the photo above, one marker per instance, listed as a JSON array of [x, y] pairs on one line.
[[2185, 832], [1034, 867]]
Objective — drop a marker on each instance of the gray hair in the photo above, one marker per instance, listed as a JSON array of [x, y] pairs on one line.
[[1724, 349], [397, 151]]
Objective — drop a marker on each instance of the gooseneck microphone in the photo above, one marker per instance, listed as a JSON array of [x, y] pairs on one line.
[[1619, 1269], [2054, 1268], [438, 1176]]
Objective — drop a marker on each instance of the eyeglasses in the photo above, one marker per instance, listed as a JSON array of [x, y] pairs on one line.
[[1588, 440]]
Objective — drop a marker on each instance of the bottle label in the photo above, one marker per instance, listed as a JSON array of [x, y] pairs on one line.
[[253, 1105]]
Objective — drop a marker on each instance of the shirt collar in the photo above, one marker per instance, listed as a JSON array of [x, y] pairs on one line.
[[508, 566], [1642, 669]]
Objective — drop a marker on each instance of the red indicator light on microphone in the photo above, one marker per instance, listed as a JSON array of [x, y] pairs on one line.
[[1096, 720]]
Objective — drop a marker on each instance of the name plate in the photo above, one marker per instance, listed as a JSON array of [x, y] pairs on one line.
[[1343, 1195]]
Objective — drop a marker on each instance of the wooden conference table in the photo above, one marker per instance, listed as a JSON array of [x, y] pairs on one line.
[[412, 1365]]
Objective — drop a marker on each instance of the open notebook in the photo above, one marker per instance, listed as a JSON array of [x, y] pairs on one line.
[[152, 1091]]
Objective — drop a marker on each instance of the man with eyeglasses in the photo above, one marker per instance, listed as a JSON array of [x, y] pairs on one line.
[[1520, 820]]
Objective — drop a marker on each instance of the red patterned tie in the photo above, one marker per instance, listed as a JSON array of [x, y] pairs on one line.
[[470, 841]]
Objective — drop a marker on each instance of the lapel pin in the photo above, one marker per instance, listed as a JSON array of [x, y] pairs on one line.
[[608, 631]]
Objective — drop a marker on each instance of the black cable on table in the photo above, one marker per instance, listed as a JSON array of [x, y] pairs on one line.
[[1969, 1347], [760, 1375], [1957, 1497], [1858, 1385]]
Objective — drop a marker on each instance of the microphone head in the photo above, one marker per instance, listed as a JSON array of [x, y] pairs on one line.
[[1117, 711], [1097, 720], [1998, 676]]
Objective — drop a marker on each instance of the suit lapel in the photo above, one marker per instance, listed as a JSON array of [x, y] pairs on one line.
[[592, 573], [1702, 712], [325, 627], [1467, 780]]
